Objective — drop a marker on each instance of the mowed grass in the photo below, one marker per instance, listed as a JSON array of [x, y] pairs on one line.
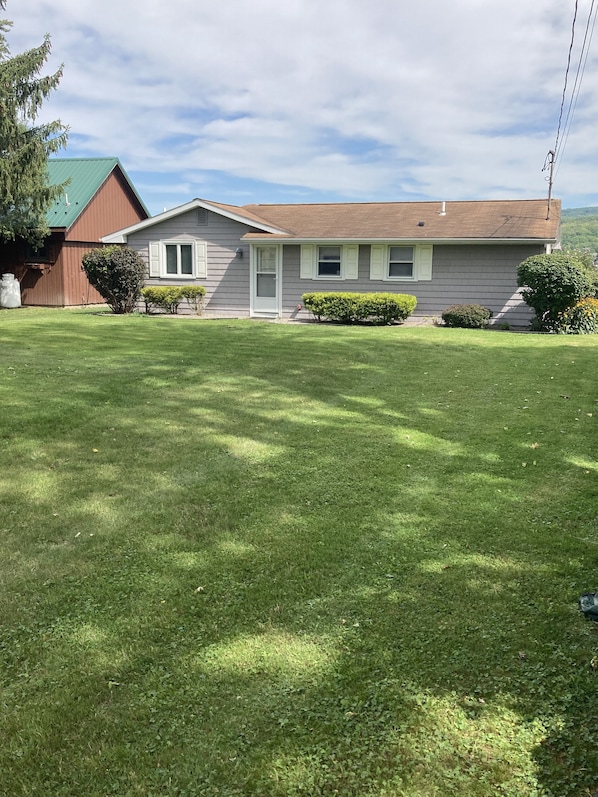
[[241, 558]]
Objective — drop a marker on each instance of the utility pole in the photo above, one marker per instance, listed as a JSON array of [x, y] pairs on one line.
[[549, 164]]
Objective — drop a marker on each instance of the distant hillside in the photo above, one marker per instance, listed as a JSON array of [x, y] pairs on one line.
[[577, 213], [579, 228]]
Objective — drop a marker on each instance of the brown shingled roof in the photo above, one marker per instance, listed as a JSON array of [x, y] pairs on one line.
[[478, 220], [245, 212]]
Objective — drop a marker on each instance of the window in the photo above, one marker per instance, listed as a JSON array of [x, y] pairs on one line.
[[329, 261], [36, 254], [394, 262], [179, 260], [400, 262]]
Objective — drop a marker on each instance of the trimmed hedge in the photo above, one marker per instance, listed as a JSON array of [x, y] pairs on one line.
[[194, 294], [351, 308], [169, 297], [467, 316], [582, 318]]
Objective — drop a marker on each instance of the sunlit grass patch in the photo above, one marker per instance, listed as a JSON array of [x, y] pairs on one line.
[[272, 653], [252, 559]]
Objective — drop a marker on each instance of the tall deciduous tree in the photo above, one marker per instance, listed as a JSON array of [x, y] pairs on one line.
[[25, 195]]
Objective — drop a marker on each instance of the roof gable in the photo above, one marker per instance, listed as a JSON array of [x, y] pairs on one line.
[[86, 176], [240, 214]]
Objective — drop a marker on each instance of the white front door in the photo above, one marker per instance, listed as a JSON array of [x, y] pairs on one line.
[[265, 281]]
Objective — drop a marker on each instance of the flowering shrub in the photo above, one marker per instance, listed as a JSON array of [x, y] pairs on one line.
[[582, 318], [552, 283]]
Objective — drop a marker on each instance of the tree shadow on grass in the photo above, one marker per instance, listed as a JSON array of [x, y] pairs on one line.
[[264, 617]]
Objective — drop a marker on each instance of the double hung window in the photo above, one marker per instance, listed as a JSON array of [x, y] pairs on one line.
[[329, 261], [400, 262], [179, 259]]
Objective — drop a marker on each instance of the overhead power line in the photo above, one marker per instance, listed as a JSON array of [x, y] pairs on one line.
[[581, 68], [554, 157], [564, 97]]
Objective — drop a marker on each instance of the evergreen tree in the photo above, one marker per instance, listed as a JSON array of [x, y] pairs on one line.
[[25, 196]]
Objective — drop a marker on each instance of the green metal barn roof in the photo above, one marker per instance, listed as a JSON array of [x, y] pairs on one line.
[[86, 175]]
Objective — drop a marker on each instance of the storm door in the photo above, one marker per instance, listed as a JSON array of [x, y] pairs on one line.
[[266, 283]]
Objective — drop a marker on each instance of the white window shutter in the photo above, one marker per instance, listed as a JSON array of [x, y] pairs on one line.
[[201, 260], [378, 261], [424, 262], [154, 259], [307, 269], [350, 262]]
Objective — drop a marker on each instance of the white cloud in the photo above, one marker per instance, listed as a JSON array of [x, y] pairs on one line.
[[342, 99]]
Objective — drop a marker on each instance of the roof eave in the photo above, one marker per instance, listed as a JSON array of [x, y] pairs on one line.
[[253, 238]]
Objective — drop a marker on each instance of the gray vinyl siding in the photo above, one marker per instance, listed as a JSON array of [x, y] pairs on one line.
[[227, 280], [461, 274], [484, 274]]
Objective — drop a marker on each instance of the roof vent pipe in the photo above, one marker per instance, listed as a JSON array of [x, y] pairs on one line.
[[443, 210]]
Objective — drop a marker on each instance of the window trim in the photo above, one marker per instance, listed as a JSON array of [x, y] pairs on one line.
[[178, 274], [158, 259], [423, 256], [309, 260], [320, 261], [389, 262]]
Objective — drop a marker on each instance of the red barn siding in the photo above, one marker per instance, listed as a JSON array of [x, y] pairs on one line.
[[114, 206], [43, 287]]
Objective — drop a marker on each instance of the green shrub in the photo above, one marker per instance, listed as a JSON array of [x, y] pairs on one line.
[[194, 294], [117, 273], [164, 297], [385, 308], [332, 306], [582, 318], [552, 284], [350, 308], [468, 316], [169, 297]]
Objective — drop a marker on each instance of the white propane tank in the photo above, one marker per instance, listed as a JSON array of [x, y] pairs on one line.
[[10, 291]]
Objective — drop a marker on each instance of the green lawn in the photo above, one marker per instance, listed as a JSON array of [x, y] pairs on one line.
[[241, 558]]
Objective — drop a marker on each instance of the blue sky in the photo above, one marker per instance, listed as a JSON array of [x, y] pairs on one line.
[[321, 100]]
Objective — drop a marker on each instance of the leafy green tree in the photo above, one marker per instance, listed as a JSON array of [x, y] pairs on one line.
[[583, 255], [25, 196], [552, 284], [118, 274], [579, 229]]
